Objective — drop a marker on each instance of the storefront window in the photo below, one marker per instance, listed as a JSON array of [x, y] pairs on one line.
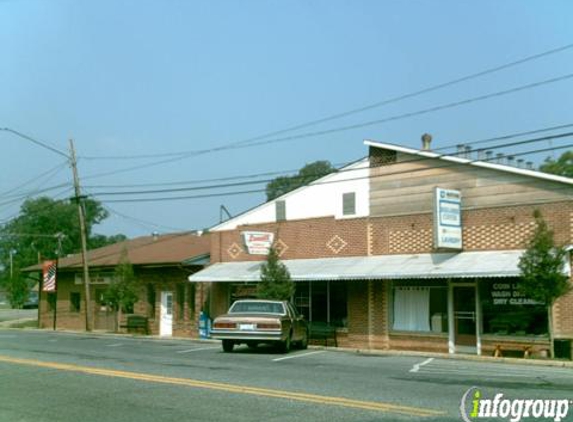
[[506, 311], [322, 301], [420, 306]]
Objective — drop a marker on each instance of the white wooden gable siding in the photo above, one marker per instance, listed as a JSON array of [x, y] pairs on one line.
[[406, 187], [322, 198]]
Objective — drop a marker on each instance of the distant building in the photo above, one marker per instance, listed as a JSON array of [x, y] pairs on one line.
[[161, 264], [406, 249]]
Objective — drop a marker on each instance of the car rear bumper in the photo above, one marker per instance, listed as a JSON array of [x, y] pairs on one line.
[[242, 336]]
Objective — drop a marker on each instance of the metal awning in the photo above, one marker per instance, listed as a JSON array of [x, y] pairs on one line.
[[387, 267]]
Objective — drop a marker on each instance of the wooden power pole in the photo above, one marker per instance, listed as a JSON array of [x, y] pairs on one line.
[[82, 217]]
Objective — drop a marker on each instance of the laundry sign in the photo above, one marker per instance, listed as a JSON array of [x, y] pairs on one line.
[[447, 219], [258, 243]]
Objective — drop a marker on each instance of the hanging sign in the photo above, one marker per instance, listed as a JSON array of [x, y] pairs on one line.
[[447, 219], [258, 243]]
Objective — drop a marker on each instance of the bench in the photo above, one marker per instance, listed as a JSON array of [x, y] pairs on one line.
[[322, 331], [526, 348], [137, 322]]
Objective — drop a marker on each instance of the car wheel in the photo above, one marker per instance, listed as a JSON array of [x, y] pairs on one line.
[[228, 346], [285, 345], [304, 342]]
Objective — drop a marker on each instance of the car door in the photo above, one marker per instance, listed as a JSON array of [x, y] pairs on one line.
[[297, 323]]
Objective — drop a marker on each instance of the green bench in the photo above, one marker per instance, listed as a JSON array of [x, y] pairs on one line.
[[136, 322], [322, 331]]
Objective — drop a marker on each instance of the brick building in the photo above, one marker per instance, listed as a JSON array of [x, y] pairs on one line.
[[161, 265], [387, 251]]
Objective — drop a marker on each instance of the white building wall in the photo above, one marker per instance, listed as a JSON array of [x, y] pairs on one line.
[[322, 198]]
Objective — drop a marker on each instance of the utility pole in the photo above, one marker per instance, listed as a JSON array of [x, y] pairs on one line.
[[81, 214]]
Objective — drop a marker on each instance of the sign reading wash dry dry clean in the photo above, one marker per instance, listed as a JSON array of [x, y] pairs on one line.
[[447, 219], [258, 243]]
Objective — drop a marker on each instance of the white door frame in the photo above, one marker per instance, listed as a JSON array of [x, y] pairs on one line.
[[166, 314], [451, 316]]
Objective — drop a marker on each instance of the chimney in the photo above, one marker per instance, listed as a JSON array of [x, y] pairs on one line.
[[529, 165], [510, 160], [461, 150], [468, 152], [155, 235], [489, 156], [481, 155], [499, 158], [426, 141], [520, 163]]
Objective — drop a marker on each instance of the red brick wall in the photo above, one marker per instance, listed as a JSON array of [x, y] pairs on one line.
[[496, 228], [163, 279]]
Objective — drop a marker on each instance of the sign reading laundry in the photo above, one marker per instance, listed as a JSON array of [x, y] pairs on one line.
[[447, 219], [258, 243]]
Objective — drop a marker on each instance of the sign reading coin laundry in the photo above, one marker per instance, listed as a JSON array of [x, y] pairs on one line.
[[258, 243], [447, 219]]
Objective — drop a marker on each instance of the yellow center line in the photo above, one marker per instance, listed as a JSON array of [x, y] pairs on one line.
[[232, 388]]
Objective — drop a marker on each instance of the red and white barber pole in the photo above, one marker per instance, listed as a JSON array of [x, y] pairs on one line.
[[49, 276]]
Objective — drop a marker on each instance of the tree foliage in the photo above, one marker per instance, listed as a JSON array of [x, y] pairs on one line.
[[121, 294], [307, 174], [33, 235], [541, 266], [275, 279], [563, 166]]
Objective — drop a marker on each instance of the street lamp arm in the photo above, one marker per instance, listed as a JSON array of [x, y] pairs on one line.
[[35, 141]]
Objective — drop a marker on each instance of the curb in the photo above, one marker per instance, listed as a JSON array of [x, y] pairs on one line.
[[373, 352]]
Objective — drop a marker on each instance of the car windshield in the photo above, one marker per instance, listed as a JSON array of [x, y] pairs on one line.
[[258, 307]]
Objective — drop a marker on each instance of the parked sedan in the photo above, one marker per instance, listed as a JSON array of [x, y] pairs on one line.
[[254, 321]]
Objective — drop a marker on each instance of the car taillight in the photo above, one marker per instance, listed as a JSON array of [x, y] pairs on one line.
[[224, 325], [269, 326]]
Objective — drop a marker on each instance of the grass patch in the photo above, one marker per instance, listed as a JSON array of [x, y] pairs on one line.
[[33, 323]]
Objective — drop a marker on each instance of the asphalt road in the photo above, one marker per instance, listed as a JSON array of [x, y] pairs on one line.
[[47, 376]]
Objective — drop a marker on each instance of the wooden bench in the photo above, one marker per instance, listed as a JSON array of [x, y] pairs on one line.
[[137, 322], [526, 348], [322, 331]]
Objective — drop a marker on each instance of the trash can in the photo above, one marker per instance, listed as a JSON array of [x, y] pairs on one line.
[[562, 348]]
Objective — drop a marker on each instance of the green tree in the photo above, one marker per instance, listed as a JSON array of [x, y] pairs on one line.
[[307, 174], [45, 226], [18, 290], [121, 294], [275, 279], [563, 166], [541, 266]]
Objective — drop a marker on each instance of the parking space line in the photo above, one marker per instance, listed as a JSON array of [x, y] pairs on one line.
[[417, 366], [197, 349], [114, 345], [298, 355]]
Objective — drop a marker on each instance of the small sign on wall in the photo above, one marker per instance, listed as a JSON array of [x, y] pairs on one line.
[[258, 243], [447, 219]]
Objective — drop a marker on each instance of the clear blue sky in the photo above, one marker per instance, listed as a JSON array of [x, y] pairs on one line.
[[153, 77]]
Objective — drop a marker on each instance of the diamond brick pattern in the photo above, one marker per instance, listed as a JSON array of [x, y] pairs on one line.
[[336, 244], [234, 250], [410, 241], [281, 247], [503, 236]]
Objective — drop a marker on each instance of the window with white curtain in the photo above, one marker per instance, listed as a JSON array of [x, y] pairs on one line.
[[420, 306]]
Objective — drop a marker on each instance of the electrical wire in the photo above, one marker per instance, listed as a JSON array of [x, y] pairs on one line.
[[35, 141], [363, 108], [341, 128], [410, 171], [247, 183]]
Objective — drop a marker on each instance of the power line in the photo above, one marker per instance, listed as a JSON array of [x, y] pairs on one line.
[[35, 141], [42, 176], [363, 108], [172, 198], [256, 182], [341, 128]]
